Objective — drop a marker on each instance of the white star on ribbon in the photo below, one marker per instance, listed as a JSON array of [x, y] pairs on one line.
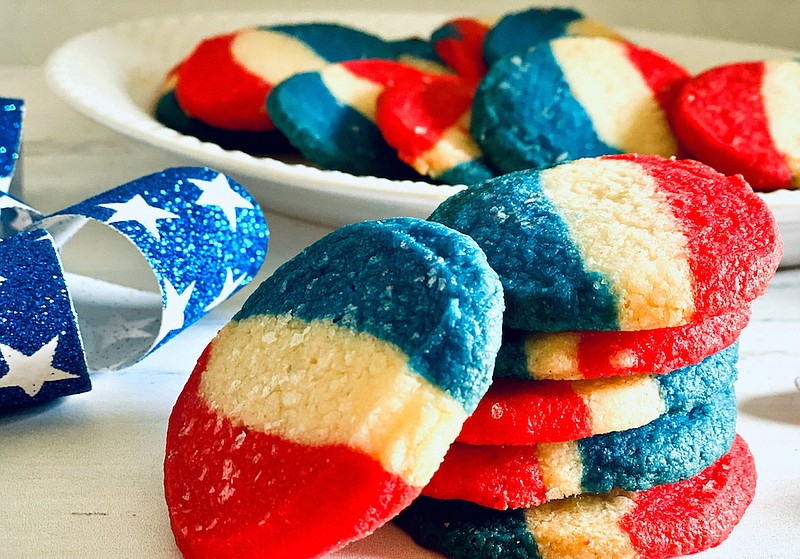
[[227, 289], [117, 328], [137, 209], [175, 308], [3, 280], [218, 192], [30, 372]]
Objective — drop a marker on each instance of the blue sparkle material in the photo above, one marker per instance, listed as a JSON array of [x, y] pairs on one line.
[[198, 246], [35, 307], [11, 112]]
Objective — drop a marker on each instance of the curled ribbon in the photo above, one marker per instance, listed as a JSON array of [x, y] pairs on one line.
[[201, 233]]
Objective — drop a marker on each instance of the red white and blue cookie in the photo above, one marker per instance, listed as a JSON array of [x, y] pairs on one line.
[[327, 403], [594, 354], [575, 97], [519, 31], [225, 81], [745, 118], [666, 521], [675, 446], [621, 242], [427, 122], [523, 412], [330, 115]]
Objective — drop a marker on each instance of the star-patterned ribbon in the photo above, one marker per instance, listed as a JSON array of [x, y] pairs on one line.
[[201, 233]]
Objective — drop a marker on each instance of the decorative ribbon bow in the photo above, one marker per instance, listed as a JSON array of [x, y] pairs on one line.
[[201, 233]]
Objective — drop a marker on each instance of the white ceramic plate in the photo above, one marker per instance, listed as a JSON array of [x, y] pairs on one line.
[[113, 75]]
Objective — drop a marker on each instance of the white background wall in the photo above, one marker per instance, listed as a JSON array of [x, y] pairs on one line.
[[30, 29]]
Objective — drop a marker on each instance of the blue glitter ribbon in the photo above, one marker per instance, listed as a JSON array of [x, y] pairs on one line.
[[201, 233]]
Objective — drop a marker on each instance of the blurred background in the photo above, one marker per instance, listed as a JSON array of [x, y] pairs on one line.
[[30, 29]]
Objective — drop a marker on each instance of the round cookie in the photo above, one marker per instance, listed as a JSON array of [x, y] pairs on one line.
[[459, 43], [584, 355], [524, 412], [744, 118], [427, 122], [225, 80], [667, 521], [620, 242], [328, 401], [575, 97], [329, 115], [519, 31], [671, 448]]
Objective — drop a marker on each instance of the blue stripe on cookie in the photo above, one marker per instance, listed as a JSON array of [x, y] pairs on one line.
[[521, 30], [672, 448], [344, 278], [517, 225], [336, 43], [513, 116]]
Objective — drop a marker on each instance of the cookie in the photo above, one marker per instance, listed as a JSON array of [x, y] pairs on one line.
[[459, 44], [524, 412], [587, 354], [519, 31], [575, 97], [744, 118], [169, 113], [620, 242], [225, 80], [328, 401], [671, 448], [427, 122], [329, 115], [666, 521]]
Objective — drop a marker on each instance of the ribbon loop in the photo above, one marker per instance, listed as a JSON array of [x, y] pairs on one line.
[[201, 234]]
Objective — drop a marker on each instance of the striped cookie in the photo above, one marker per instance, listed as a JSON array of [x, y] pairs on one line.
[[745, 118], [524, 412], [519, 31], [587, 354], [225, 80], [328, 401], [667, 521], [669, 449], [427, 122], [619, 242], [329, 115], [459, 43], [575, 97]]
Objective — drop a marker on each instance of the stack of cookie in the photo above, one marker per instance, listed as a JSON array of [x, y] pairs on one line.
[[610, 428]]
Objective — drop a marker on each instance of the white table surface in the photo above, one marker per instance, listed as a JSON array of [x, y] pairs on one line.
[[82, 478]]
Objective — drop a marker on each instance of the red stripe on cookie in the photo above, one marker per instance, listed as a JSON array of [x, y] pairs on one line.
[[464, 53], [414, 115], [733, 243], [499, 477], [720, 118], [662, 75], [660, 350], [210, 79], [695, 514], [529, 412], [231, 490]]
